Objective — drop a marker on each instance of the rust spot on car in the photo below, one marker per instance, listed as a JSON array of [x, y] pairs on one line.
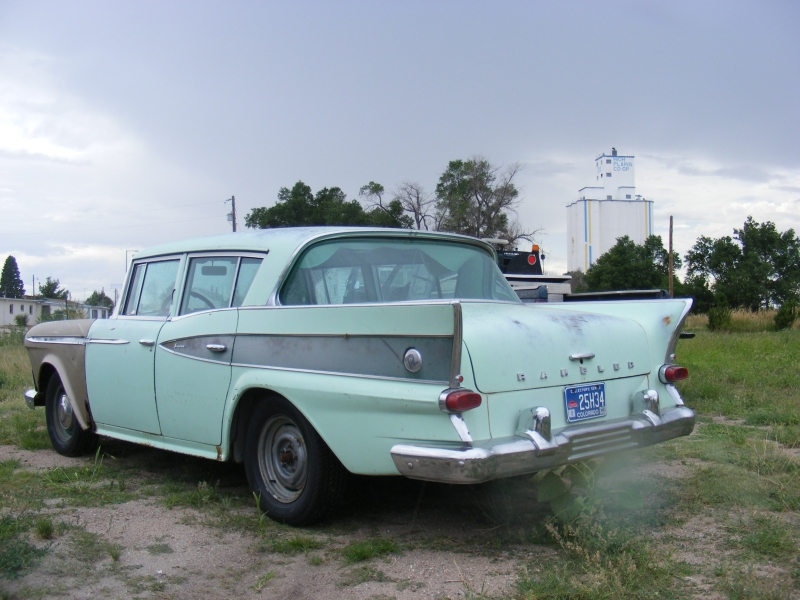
[[219, 452], [667, 320]]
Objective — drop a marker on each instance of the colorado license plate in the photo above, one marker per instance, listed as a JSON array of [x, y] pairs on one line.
[[585, 401]]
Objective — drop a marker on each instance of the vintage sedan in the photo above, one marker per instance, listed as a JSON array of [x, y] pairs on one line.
[[311, 353]]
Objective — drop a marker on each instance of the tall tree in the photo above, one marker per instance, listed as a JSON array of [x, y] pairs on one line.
[[100, 299], [381, 213], [758, 267], [475, 198], [10, 282], [418, 205], [631, 266], [50, 289]]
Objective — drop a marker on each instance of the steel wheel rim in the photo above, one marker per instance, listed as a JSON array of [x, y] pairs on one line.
[[282, 459], [65, 417]]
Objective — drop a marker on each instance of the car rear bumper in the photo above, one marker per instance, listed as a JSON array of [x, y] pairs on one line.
[[33, 399], [529, 453]]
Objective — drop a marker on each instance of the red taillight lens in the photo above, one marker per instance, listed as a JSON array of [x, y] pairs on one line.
[[462, 400], [674, 373]]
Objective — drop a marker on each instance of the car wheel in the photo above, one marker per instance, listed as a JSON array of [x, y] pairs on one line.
[[290, 468], [65, 432]]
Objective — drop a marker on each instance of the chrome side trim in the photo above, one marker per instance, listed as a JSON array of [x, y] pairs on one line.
[[455, 357], [516, 455], [461, 428], [189, 356], [65, 339], [339, 374], [112, 342]]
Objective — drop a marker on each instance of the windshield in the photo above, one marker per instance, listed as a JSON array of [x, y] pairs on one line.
[[393, 270]]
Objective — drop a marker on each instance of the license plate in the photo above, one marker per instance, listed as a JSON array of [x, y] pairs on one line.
[[585, 401]]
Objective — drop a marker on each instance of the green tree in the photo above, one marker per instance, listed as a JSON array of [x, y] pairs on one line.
[[631, 266], [299, 206], [100, 299], [381, 214], [50, 289], [10, 282], [759, 267], [475, 198]]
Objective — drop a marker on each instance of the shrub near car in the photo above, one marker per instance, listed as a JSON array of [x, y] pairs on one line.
[[311, 353]]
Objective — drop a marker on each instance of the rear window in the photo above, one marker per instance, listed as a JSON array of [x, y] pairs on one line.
[[400, 270]]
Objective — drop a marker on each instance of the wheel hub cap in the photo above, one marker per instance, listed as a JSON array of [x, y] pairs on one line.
[[282, 458], [65, 415]]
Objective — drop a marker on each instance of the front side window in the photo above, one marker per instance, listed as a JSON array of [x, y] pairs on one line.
[[399, 270], [152, 289]]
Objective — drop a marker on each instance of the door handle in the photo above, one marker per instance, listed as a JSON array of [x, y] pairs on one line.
[[581, 356], [147, 342], [216, 347]]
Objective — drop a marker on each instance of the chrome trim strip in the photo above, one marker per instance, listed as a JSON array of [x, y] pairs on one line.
[[516, 455], [673, 340], [338, 335], [69, 340], [203, 312], [206, 360], [461, 428], [455, 356], [111, 342], [358, 375], [407, 303]]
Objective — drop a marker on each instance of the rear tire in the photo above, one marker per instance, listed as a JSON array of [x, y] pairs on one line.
[[65, 432], [295, 475]]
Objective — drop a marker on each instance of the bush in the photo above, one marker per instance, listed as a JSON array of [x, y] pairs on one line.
[[786, 315], [21, 320], [719, 317]]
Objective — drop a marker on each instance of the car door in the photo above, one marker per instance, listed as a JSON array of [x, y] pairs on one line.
[[193, 357], [120, 352]]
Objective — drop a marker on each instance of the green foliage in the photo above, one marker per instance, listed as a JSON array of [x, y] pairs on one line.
[[10, 282], [72, 311], [786, 315], [300, 207], [50, 289], [719, 316], [474, 198], [296, 545], [758, 267], [361, 551], [631, 266], [100, 299], [21, 320]]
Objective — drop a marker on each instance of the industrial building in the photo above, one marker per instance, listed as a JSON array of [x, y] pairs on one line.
[[605, 211]]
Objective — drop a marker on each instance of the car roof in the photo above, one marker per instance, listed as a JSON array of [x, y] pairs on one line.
[[287, 239]]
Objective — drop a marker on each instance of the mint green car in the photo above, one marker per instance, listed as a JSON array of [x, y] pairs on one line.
[[312, 353]]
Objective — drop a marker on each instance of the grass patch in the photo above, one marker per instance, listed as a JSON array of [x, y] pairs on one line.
[[296, 545], [361, 575], [356, 552], [91, 548], [262, 581], [16, 553], [765, 535], [160, 549], [753, 376]]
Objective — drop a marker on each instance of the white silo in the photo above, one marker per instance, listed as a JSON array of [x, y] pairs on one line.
[[606, 211]]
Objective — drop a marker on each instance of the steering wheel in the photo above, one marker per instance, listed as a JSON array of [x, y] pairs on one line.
[[202, 298]]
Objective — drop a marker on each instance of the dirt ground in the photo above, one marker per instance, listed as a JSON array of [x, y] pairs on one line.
[[172, 553]]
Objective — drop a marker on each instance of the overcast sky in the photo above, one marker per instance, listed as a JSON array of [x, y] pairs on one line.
[[127, 124]]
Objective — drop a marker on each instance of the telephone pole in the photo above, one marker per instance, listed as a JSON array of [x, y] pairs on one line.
[[232, 214], [670, 258]]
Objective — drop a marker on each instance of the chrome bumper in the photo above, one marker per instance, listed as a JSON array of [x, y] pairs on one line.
[[32, 399], [521, 454]]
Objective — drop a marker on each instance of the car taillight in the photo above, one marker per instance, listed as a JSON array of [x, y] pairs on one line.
[[672, 373], [459, 401]]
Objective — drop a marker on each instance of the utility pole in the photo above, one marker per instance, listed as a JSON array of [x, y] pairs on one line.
[[232, 214], [670, 257]]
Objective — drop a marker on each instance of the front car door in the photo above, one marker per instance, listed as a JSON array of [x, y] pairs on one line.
[[120, 352]]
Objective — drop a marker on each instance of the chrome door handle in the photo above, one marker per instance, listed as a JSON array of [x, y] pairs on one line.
[[216, 347], [581, 356], [147, 342]]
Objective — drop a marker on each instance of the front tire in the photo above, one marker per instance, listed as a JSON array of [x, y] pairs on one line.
[[65, 432], [291, 470]]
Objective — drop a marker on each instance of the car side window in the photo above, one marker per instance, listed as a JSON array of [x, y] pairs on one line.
[[209, 283], [248, 267], [135, 289], [158, 289]]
